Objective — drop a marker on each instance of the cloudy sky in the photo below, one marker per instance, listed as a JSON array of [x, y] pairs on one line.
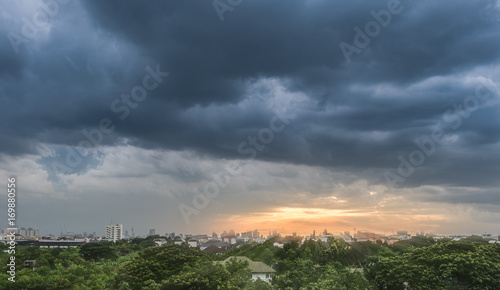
[[200, 116]]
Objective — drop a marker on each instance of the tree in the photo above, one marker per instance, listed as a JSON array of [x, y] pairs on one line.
[[333, 278], [457, 265], [157, 264], [98, 251], [207, 275], [337, 249]]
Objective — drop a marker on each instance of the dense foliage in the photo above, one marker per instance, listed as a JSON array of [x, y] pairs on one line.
[[419, 263], [443, 266]]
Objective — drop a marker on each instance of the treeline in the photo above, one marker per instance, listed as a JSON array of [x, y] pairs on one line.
[[418, 263]]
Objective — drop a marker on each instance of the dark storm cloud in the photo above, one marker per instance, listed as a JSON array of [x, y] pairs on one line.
[[484, 197], [60, 155], [360, 114]]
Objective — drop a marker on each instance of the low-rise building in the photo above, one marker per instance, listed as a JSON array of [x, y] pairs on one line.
[[160, 242], [214, 250], [216, 243], [260, 270]]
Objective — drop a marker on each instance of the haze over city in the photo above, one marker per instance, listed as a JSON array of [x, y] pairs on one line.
[[194, 117]]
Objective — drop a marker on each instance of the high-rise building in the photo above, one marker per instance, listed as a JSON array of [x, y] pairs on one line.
[[246, 234], [22, 232], [152, 232], [114, 232]]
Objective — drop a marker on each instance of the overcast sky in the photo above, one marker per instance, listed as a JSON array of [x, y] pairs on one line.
[[200, 116]]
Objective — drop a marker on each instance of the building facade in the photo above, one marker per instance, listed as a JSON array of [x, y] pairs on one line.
[[114, 232]]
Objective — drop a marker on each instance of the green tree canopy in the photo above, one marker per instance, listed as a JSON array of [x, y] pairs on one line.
[[157, 264], [455, 265]]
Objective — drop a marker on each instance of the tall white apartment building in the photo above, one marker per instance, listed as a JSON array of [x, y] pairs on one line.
[[114, 232]]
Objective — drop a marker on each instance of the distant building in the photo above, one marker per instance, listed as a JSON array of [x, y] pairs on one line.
[[250, 234], [152, 232], [114, 232], [490, 237], [178, 240], [160, 242], [403, 235], [278, 245], [346, 238], [362, 236], [229, 235], [246, 234], [22, 232], [230, 240], [214, 243], [52, 243], [214, 250], [259, 240], [30, 264], [30, 232], [391, 241]]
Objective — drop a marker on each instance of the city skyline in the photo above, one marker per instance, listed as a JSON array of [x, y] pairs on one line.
[[263, 232], [288, 115]]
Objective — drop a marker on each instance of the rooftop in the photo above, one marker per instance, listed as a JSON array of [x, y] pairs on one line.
[[256, 267]]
